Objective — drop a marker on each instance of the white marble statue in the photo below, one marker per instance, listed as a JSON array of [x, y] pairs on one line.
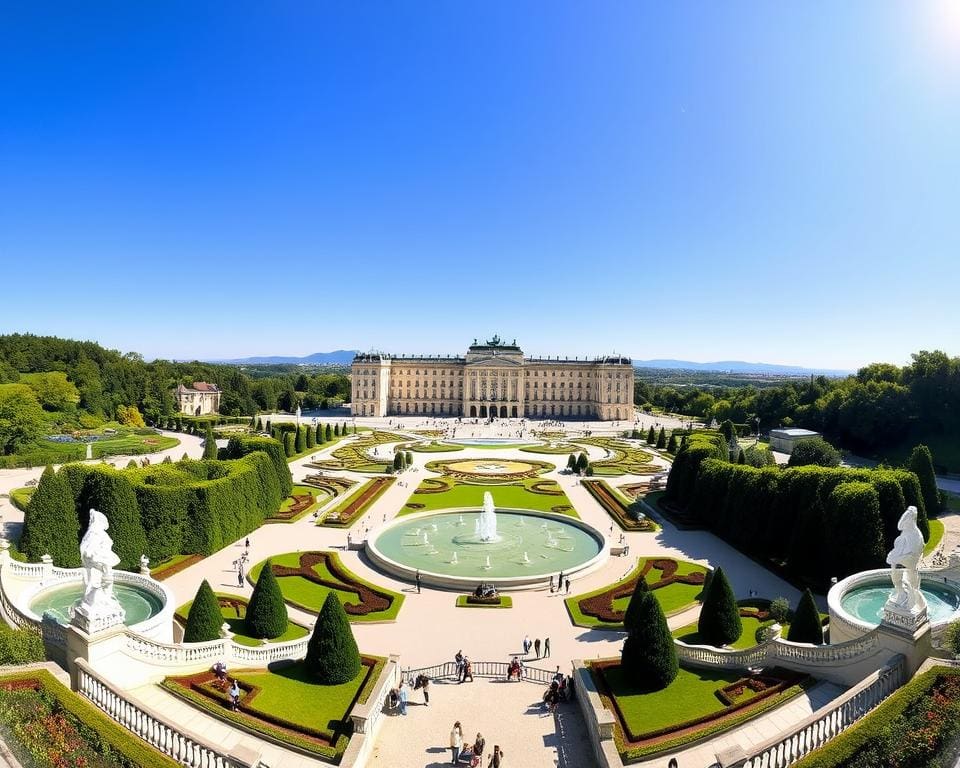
[[904, 561], [99, 560]]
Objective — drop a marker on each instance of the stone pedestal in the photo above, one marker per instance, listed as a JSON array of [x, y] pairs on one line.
[[908, 634], [101, 615], [100, 650]]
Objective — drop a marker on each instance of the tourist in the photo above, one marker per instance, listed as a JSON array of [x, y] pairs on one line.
[[423, 681], [458, 659], [239, 576], [418, 579], [467, 670], [403, 695], [568, 586], [560, 582], [551, 583], [496, 759], [456, 742], [546, 647], [479, 745], [526, 645], [247, 543], [235, 695], [536, 647]]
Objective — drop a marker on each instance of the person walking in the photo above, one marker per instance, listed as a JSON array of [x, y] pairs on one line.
[[536, 647], [568, 587], [239, 575], [403, 698], [247, 543], [478, 746], [551, 583], [456, 742], [546, 647], [526, 645], [496, 759], [418, 580]]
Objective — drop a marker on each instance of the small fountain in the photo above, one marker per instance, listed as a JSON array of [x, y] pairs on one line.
[[424, 540], [526, 559], [453, 560], [460, 520], [486, 526], [486, 565]]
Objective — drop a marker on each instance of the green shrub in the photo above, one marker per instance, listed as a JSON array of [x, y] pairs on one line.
[[332, 654], [572, 462], [300, 441], [649, 657], [651, 436], [110, 492], [20, 646], [50, 524], [209, 445], [672, 443], [204, 619], [779, 609], [328, 433], [632, 615], [289, 444], [806, 626], [398, 461], [816, 451], [921, 464], [758, 456], [407, 456], [241, 446], [582, 462], [662, 439], [336, 430], [853, 519], [266, 611], [719, 622], [311, 437]]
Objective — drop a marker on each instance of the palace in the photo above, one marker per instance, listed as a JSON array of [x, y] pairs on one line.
[[200, 399], [495, 380]]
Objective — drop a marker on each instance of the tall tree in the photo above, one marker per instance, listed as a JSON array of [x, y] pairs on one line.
[[21, 418], [332, 654], [649, 657], [662, 439], [719, 622], [651, 436], [50, 524], [266, 611], [209, 445], [204, 619], [921, 464]]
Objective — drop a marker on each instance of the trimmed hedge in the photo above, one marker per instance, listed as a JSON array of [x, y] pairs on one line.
[[332, 653], [266, 611], [806, 626], [204, 619], [719, 623], [50, 523], [649, 657]]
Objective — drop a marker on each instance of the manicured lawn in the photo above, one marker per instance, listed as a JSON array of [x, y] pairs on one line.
[[691, 695], [432, 447], [748, 638], [234, 616], [309, 595], [673, 598], [20, 497], [121, 444], [319, 496], [504, 496], [625, 458], [936, 535]]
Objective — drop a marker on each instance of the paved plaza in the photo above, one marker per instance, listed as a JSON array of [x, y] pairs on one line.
[[430, 629]]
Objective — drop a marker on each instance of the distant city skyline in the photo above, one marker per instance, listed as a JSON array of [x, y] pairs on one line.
[[767, 183]]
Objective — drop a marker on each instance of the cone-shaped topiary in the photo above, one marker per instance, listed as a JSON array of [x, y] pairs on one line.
[[631, 615], [328, 433], [806, 626], [572, 462], [204, 620], [289, 444], [209, 445], [300, 441], [651, 436], [332, 654], [672, 443], [662, 438], [719, 622], [921, 464], [649, 658], [582, 462], [311, 435], [50, 524], [266, 611]]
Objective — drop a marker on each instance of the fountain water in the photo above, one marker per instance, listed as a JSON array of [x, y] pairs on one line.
[[424, 539], [486, 527], [453, 560], [526, 558], [487, 563]]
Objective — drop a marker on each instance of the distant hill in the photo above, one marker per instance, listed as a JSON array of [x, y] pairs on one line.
[[738, 366], [338, 357]]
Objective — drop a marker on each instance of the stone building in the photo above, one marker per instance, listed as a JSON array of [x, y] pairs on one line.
[[199, 399], [493, 379], [785, 440]]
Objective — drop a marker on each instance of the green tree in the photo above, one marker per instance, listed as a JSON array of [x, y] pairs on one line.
[[336, 430], [662, 439], [266, 611], [209, 445], [632, 615], [672, 443], [311, 434], [741, 457], [300, 441], [50, 524], [332, 654], [572, 462], [856, 528], [407, 457], [289, 444], [328, 433], [129, 416], [758, 456], [651, 436], [53, 390], [649, 657], [110, 492], [259, 424], [806, 626], [719, 622], [21, 418], [582, 462], [728, 431], [319, 437], [398, 461], [921, 464], [204, 619], [815, 451]]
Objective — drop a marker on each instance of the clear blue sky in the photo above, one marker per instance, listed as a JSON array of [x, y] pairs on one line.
[[760, 181]]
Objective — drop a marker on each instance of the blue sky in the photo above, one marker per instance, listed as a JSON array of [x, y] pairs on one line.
[[760, 181]]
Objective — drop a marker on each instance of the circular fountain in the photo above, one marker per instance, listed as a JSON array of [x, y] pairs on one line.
[[501, 545]]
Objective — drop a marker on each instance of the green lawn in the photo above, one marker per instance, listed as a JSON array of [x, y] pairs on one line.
[[625, 458], [20, 497], [320, 497], [673, 598], [124, 443], [237, 624], [309, 595], [504, 496], [748, 638], [432, 447], [936, 536], [167, 564]]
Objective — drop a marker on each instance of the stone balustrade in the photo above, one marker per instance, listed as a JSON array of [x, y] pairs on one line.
[[826, 723], [175, 741]]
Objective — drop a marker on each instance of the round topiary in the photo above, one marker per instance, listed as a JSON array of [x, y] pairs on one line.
[[806, 626], [719, 622], [266, 611], [649, 657], [204, 620], [332, 654]]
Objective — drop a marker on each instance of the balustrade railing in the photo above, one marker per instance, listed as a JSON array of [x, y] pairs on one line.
[[448, 669], [822, 726], [172, 740]]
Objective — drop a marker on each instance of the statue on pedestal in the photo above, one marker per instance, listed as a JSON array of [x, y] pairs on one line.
[[906, 607], [99, 607]]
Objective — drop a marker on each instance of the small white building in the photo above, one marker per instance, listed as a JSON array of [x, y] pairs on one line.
[[200, 399], [785, 440]]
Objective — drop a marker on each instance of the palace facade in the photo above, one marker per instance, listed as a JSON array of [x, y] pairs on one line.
[[493, 379], [200, 399]]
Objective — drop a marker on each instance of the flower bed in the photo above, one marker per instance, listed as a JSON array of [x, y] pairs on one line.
[[299, 504], [58, 729], [472, 601], [599, 608], [459, 470], [614, 506], [626, 459], [546, 487], [306, 577], [354, 456], [695, 705], [335, 486], [346, 513]]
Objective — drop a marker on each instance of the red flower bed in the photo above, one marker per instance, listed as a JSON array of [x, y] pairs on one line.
[[358, 505], [600, 606], [369, 599], [614, 507]]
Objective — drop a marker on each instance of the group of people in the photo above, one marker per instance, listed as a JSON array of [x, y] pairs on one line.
[[474, 752], [241, 562], [464, 667], [558, 691], [230, 685], [561, 584], [536, 645]]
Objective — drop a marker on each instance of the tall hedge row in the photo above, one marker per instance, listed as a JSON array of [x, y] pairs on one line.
[[792, 516], [697, 448], [241, 446]]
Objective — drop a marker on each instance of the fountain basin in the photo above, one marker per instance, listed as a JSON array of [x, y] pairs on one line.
[[856, 603], [500, 442], [530, 548]]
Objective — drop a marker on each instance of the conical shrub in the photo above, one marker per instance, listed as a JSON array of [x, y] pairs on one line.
[[332, 654], [632, 615], [649, 657], [50, 524], [204, 620], [806, 626], [266, 612], [719, 622]]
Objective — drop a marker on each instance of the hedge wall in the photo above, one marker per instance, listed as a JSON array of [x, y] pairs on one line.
[[241, 446], [790, 516], [191, 507]]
